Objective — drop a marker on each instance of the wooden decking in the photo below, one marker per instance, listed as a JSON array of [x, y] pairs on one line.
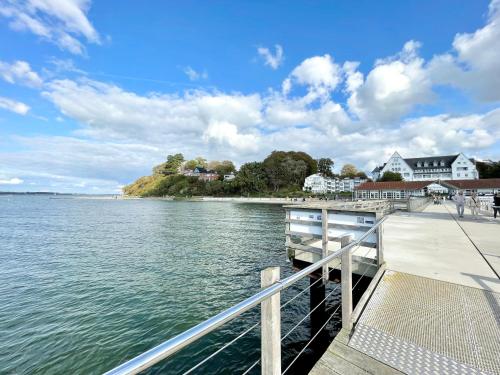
[[437, 307]]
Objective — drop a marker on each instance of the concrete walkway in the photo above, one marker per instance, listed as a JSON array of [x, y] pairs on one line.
[[434, 244]]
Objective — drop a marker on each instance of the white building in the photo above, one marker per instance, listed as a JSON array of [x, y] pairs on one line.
[[450, 167], [406, 189], [319, 184]]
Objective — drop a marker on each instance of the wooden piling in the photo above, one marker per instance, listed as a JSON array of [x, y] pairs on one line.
[[271, 325]]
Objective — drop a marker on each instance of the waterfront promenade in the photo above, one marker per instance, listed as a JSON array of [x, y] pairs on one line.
[[436, 309]]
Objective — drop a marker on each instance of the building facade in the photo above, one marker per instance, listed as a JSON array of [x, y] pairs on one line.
[[449, 167], [407, 189], [318, 184]]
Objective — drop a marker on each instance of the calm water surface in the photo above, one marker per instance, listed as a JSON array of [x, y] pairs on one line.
[[86, 284]]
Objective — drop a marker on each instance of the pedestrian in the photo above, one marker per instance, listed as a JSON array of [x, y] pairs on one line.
[[474, 205], [459, 200], [496, 204]]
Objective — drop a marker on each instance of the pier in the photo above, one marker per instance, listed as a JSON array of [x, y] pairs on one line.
[[436, 309], [430, 304]]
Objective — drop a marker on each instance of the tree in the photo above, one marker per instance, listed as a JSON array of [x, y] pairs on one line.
[[488, 169], [348, 170], [361, 175], [325, 166], [391, 176], [222, 167], [251, 178], [288, 168], [197, 162], [171, 166]]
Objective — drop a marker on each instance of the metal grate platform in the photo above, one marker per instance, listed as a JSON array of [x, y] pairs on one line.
[[424, 326]]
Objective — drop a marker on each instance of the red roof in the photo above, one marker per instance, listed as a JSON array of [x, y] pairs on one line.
[[485, 183], [394, 185]]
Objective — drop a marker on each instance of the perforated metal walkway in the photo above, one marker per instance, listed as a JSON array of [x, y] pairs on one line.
[[419, 325]]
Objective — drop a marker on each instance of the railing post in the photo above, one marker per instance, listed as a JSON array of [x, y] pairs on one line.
[[346, 281], [271, 325], [380, 245], [324, 244]]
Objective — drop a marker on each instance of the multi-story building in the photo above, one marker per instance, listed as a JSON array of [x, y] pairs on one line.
[[319, 184], [449, 167]]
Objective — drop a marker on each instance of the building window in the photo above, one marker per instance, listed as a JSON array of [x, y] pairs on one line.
[[435, 163], [442, 163]]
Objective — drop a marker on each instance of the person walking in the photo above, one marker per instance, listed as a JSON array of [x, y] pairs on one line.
[[496, 204], [459, 200], [474, 205]]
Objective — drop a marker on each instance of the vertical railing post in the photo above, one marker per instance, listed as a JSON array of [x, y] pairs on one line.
[[346, 281], [324, 243], [271, 325], [380, 245]]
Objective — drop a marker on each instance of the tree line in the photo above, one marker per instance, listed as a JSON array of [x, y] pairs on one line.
[[281, 173]]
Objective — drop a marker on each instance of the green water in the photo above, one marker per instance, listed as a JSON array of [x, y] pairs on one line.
[[86, 284]]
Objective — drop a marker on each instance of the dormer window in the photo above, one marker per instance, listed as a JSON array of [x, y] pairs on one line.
[[435, 163], [426, 164], [419, 164], [442, 163]]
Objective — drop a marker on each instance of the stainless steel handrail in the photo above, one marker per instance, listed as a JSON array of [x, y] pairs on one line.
[[173, 345]]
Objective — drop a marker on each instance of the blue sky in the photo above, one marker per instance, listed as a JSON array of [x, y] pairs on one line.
[[93, 94]]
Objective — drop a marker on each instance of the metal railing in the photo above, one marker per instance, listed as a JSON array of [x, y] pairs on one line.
[[267, 297]]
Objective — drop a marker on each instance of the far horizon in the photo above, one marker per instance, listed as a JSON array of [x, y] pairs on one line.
[[88, 105]]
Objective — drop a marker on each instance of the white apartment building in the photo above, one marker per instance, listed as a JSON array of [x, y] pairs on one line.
[[319, 184], [449, 167]]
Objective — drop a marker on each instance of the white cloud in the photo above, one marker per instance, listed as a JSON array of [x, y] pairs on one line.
[[193, 75], [274, 61], [19, 72], [392, 89], [59, 21], [14, 106], [11, 181], [317, 72], [474, 63]]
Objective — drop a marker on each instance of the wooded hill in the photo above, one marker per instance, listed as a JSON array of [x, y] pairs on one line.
[[282, 173]]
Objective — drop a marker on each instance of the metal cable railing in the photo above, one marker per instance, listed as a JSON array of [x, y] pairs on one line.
[[175, 344], [222, 348], [322, 327]]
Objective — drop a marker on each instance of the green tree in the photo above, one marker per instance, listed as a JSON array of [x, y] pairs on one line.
[[171, 166], [196, 162], [251, 178], [325, 166], [222, 167], [361, 175], [489, 169], [391, 176], [288, 168], [348, 170]]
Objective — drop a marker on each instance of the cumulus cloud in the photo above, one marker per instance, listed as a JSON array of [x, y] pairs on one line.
[[14, 106], [392, 88], [61, 22], [19, 72], [270, 59], [473, 63], [193, 75], [319, 73]]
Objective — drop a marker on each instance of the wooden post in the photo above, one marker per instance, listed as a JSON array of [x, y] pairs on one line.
[[380, 245], [346, 280], [324, 244], [271, 325]]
